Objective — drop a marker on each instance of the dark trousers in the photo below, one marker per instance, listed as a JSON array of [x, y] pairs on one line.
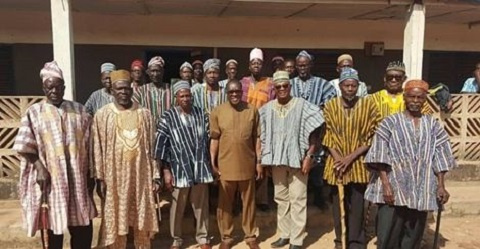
[[316, 184], [399, 227], [80, 238], [354, 221]]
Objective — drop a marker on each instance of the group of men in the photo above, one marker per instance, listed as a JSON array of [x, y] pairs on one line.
[[132, 140]]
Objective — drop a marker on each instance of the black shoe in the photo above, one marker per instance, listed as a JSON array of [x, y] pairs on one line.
[[280, 243], [263, 207], [295, 247]]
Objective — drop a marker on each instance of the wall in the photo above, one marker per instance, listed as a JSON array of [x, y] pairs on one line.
[[28, 59], [91, 28], [451, 68]]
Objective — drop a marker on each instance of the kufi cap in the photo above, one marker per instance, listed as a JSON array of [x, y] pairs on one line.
[[137, 63], [119, 75], [281, 76], [256, 53], [305, 54], [179, 85], [197, 62], [211, 64], [348, 73], [344, 57], [278, 58], [231, 61], [416, 84], [49, 70], [107, 67], [396, 65], [156, 61], [187, 65]]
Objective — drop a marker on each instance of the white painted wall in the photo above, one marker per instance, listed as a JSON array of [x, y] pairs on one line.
[[89, 28]]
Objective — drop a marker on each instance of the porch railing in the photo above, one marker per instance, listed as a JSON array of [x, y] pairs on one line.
[[462, 124], [12, 109]]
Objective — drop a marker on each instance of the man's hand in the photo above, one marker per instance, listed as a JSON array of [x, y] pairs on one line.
[[91, 186], [216, 172], [307, 164], [101, 189], [43, 177], [260, 173], [341, 165], [442, 195], [157, 186], [168, 180], [388, 196]]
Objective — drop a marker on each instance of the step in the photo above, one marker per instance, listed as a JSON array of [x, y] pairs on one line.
[[464, 198]]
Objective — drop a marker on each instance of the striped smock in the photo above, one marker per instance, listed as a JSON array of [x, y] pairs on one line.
[[285, 131], [412, 155], [346, 131]]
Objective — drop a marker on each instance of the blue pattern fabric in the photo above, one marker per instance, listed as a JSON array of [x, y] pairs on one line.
[[413, 156], [470, 86], [183, 143]]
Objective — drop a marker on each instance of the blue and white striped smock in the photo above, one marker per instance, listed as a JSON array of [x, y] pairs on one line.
[[183, 142], [413, 157], [285, 138]]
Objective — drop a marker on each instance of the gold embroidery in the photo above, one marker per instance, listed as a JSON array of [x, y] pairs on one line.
[[127, 130], [283, 110]]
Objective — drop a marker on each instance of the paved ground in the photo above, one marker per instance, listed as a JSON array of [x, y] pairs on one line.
[[460, 226]]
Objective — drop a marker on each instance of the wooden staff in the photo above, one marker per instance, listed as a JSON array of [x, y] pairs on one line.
[[44, 218], [437, 226], [157, 208], [341, 198]]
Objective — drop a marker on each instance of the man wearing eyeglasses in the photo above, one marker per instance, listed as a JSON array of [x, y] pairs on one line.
[[234, 128], [290, 130], [346, 61], [390, 100]]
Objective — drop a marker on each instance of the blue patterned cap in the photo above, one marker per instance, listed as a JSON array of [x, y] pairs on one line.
[[179, 85], [305, 54], [348, 73]]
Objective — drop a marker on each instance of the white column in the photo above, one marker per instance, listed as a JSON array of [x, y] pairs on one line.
[[62, 33], [413, 39]]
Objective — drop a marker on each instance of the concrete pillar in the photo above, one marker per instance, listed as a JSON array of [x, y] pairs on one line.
[[62, 32], [413, 40]]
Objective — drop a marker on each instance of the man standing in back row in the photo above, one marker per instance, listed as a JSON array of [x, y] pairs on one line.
[[231, 70], [157, 95], [102, 96], [257, 91], [317, 91], [346, 61]]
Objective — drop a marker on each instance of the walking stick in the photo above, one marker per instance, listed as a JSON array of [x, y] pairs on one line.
[[157, 208], [44, 218], [437, 226], [341, 198]]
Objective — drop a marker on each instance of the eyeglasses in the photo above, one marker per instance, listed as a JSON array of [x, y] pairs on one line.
[[234, 91], [285, 86], [397, 77]]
